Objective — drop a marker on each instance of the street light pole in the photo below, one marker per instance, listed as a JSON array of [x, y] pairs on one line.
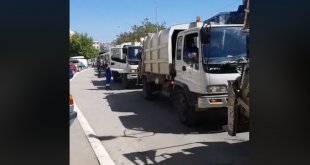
[[156, 16]]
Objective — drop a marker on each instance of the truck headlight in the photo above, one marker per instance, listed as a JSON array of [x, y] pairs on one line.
[[133, 70], [217, 89]]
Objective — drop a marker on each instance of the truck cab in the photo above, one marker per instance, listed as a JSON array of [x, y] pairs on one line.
[[124, 62], [191, 64], [207, 74]]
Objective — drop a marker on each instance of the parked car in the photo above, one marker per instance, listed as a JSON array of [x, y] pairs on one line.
[[82, 60], [70, 72], [77, 64], [73, 114], [73, 67]]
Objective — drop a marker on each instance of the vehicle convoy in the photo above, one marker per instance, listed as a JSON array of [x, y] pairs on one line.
[[124, 62], [195, 80], [238, 89]]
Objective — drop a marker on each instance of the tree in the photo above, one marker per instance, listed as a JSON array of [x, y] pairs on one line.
[[139, 31], [82, 44]]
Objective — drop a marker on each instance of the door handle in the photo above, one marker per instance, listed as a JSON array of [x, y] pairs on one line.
[[183, 68], [112, 63]]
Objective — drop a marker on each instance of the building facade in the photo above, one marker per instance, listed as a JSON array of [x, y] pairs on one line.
[[96, 44]]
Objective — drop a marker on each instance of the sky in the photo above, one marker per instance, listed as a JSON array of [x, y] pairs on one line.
[[104, 19]]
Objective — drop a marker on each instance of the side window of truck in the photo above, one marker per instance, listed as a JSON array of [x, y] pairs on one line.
[[179, 47], [190, 39]]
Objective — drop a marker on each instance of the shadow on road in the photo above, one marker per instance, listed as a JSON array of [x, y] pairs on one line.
[[100, 84], [157, 116], [103, 138], [102, 74], [210, 153]]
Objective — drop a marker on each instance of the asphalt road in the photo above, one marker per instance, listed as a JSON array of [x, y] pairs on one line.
[[135, 131]]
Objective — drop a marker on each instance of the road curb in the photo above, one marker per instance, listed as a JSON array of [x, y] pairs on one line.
[[80, 72], [99, 150]]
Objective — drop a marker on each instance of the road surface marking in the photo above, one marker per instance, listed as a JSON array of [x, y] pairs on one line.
[[99, 150]]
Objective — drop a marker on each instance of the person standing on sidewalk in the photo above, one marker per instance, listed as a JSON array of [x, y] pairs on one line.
[[107, 76], [98, 63]]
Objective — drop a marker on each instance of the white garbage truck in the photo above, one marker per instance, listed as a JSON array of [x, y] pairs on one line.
[[124, 62], [191, 63]]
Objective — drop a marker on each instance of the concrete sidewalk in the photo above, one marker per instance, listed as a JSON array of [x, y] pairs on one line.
[[81, 152]]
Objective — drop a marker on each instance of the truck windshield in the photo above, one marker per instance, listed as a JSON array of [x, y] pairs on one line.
[[133, 52], [226, 43]]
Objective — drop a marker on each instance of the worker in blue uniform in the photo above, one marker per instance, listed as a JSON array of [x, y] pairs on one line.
[[108, 76]]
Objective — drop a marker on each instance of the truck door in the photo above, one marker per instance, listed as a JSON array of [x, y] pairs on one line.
[[123, 60], [189, 65], [178, 61], [116, 59]]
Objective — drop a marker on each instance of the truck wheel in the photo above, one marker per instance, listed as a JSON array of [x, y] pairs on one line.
[[125, 82], [186, 113], [115, 77], [147, 90]]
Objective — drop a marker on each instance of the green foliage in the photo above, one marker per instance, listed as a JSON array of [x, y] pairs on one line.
[[82, 44], [139, 31]]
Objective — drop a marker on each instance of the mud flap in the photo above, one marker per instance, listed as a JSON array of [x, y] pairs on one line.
[[232, 110]]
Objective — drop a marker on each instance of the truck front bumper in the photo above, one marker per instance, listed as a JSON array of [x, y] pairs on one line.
[[212, 101]]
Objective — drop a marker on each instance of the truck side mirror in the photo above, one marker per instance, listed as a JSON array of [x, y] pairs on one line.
[[205, 35]]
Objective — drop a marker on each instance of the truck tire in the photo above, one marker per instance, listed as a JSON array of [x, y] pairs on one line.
[[125, 82], [147, 90], [186, 113], [115, 77]]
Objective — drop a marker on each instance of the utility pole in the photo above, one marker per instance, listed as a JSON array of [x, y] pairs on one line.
[[156, 16]]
